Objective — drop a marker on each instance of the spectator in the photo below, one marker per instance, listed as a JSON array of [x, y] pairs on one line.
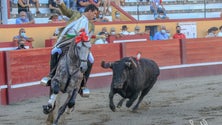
[[106, 6], [54, 7], [147, 31], [21, 39], [112, 31], [212, 32], [124, 30], [122, 2], [117, 16], [23, 19], [156, 6], [101, 18], [117, 2], [104, 30], [70, 4], [136, 31], [96, 2], [23, 5], [178, 34], [81, 5], [161, 15], [55, 19], [219, 34], [101, 39], [161, 35]]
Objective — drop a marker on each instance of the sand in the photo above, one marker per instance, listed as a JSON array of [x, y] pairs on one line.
[[170, 102]]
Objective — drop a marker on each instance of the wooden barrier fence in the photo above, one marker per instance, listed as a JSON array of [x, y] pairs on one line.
[[176, 58]]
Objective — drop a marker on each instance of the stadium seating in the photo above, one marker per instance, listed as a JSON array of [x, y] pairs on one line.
[[176, 9]]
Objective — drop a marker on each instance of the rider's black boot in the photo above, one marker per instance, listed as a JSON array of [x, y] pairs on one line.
[[46, 81], [84, 91]]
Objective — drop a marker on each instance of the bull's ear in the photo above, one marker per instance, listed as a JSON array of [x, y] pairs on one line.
[[106, 65]]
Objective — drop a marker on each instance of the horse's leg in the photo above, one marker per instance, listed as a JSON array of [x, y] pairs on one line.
[[63, 107], [71, 102], [55, 90]]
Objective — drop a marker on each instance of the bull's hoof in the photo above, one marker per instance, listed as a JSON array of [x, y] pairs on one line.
[[112, 108], [47, 109], [128, 104]]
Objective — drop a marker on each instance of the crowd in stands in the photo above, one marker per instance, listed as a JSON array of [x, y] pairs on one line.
[[156, 7]]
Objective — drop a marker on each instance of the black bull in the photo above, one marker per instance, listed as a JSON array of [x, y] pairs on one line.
[[131, 77]]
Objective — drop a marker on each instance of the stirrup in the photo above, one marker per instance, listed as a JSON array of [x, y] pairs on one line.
[[84, 92], [45, 81]]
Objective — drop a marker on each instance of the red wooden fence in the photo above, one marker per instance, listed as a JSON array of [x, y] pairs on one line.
[[26, 67]]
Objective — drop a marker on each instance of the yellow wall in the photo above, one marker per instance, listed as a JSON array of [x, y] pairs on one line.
[[40, 33]]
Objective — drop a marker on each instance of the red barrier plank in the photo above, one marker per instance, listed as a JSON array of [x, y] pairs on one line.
[[3, 89], [49, 42], [24, 67], [107, 52], [204, 50], [165, 52]]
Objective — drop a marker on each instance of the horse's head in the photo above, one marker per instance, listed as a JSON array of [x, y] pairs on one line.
[[83, 50]]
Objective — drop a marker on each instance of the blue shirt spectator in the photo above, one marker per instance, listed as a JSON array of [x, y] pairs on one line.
[[161, 35], [23, 19], [81, 5]]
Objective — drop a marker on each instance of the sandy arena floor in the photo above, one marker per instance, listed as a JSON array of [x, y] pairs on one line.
[[170, 102]]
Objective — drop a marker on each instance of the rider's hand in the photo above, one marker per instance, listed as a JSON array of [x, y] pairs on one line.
[[56, 50]]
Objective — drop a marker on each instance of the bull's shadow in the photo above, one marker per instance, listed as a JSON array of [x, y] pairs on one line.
[[131, 76]]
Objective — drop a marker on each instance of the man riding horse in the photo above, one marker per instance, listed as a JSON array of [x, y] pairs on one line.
[[72, 30]]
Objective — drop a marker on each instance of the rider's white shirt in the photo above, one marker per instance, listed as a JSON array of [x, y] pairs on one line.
[[74, 28]]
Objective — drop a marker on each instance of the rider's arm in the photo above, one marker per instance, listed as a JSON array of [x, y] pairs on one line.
[[68, 12]]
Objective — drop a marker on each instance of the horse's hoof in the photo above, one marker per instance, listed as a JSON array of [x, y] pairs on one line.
[[45, 81], [47, 109], [69, 110]]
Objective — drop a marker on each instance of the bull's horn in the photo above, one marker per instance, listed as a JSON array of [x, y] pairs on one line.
[[106, 65], [133, 62]]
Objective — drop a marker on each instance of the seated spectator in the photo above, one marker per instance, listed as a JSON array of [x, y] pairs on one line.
[[161, 35], [23, 19], [53, 7], [81, 5], [106, 7], [124, 30], [70, 4], [101, 38], [136, 31], [219, 34], [96, 2], [117, 16], [161, 15], [117, 2], [112, 31], [147, 31], [156, 6], [101, 18], [24, 5], [21, 38], [212, 32], [55, 19], [122, 2], [178, 34]]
